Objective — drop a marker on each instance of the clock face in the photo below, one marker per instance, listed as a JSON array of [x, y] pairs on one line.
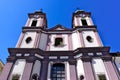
[[36, 16]]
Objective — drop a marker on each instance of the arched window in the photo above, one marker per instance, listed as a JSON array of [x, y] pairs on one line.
[[58, 71], [34, 23], [84, 22]]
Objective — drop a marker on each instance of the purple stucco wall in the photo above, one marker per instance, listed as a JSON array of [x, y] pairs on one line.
[[73, 74], [89, 75], [5, 73], [44, 69], [27, 71], [110, 70]]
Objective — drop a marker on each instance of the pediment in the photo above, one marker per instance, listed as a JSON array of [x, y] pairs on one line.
[[59, 27]]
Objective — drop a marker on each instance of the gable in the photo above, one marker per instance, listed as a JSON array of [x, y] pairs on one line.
[[59, 27]]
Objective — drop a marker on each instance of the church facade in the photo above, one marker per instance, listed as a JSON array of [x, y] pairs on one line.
[[61, 53]]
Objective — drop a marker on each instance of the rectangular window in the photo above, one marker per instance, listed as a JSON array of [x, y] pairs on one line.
[[84, 22], [58, 42], [34, 23], [102, 77], [58, 71]]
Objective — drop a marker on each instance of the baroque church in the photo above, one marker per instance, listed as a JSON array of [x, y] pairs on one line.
[[60, 53]]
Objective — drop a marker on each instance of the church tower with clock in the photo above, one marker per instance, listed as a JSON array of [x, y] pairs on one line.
[[60, 53]]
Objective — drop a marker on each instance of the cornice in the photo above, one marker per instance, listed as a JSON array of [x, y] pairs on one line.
[[72, 53], [52, 31]]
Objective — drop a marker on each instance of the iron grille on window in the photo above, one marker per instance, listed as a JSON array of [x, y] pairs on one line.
[[58, 71]]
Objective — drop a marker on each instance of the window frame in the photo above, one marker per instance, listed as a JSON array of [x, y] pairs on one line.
[[89, 39], [59, 72], [28, 40], [83, 23], [59, 45], [35, 24]]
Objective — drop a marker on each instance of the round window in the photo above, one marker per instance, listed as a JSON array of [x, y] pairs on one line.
[[28, 40], [89, 39]]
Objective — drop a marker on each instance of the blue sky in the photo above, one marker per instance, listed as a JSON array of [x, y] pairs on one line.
[[13, 16]]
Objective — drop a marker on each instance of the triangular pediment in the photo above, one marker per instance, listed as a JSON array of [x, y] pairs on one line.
[[59, 27]]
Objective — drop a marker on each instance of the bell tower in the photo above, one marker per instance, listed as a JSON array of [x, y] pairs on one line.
[[81, 19], [37, 19], [30, 34], [89, 36]]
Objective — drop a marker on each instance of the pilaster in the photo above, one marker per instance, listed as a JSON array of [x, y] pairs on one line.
[[88, 69], [6, 71], [28, 69], [44, 70], [81, 39], [73, 71], [110, 69], [20, 40]]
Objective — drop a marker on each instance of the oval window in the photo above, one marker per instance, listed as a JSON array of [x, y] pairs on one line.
[[89, 39], [28, 40]]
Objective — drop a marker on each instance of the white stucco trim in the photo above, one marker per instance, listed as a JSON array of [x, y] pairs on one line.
[[68, 70], [18, 68], [39, 56], [78, 55], [117, 63], [76, 40], [49, 70], [27, 23], [64, 57], [36, 67], [80, 68], [53, 57], [19, 54], [99, 67], [27, 54]]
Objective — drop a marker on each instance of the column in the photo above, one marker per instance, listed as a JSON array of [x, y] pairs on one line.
[[73, 71], [110, 69], [70, 42], [44, 70], [36, 42], [27, 71], [6, 71], [88, 69]]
